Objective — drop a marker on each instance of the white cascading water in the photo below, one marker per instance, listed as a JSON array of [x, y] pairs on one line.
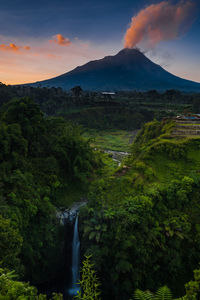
[[75, 260]]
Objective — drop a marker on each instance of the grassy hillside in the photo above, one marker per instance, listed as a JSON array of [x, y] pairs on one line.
[[165, 156], [142, 221], [157, 157]]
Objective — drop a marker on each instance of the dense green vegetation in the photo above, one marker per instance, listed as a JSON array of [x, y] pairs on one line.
[[141, 224], [125, 110], [11, 289], [192, 289], [100, 115], [106, 119], [40, 160], [142, 221]]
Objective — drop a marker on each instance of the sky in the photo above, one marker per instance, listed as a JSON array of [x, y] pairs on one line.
[[41, 39]]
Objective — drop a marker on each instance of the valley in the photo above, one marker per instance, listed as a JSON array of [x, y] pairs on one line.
[[130, 158]]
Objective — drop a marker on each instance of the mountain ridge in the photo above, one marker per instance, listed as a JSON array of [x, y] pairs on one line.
[[128, 70]]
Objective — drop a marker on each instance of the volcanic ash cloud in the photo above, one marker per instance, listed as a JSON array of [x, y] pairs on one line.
[[159, 22]]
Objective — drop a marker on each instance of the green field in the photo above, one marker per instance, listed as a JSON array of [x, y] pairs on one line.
[[117, 140]]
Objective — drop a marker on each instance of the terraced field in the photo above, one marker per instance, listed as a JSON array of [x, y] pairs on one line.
[[187, 128]]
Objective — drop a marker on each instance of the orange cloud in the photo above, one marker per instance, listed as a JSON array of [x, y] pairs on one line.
[[159, 22], [13, 47], [61, 40], [43, 60], [27, 47]]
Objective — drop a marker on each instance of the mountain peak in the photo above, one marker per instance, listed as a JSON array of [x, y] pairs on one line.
[[129, 69], [129, 51]]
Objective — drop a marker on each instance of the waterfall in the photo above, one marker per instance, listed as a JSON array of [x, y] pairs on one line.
[[69, 218], [75, 260]]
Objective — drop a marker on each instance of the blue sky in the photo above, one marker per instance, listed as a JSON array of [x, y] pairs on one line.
[[99, 24]]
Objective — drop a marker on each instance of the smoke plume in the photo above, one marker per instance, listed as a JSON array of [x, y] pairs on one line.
[[159, 22]]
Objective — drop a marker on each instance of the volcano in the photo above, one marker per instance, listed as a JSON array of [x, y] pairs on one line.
[[128, 70]]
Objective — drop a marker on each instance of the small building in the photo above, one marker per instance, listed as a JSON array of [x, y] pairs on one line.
[[108, 95]]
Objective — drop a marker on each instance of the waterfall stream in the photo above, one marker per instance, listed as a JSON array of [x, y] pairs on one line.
[[75, 260], [70, 219]]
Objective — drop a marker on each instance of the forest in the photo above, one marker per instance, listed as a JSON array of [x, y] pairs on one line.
[[42, 161], [140, 229]]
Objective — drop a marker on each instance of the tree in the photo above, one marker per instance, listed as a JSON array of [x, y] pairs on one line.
[[89, 283], [11, 289], [196, 104], [10, 243], [193, 287], [76, 90]]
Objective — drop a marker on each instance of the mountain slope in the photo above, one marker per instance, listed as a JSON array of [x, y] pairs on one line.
[[128, 70]]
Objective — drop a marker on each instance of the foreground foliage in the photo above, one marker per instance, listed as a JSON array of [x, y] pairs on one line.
[[11, 289], [41, 159], [89, 283], [192, 291], [162, 293]]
